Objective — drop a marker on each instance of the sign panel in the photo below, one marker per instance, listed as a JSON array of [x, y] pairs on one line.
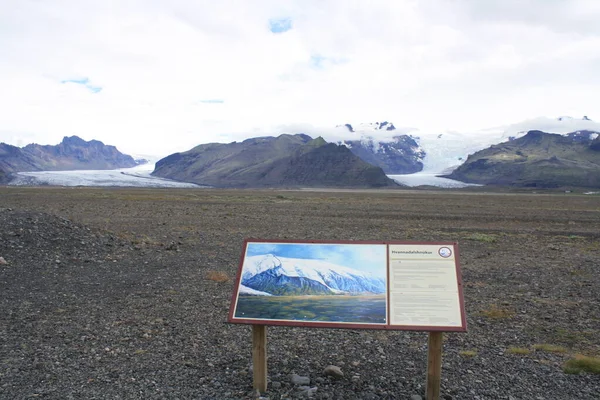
[[374, 285]]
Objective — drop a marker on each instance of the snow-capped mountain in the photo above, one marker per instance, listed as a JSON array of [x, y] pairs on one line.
[[294, 276], [383, 145], [446, 151]]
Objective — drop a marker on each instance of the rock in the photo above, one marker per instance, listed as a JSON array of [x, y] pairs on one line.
[[3, 261], [416, 397], [172, 246], [334, 371], [300, 380], [276, 385], [308, 391]]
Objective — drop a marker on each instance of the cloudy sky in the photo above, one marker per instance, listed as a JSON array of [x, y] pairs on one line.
[[158, 76]]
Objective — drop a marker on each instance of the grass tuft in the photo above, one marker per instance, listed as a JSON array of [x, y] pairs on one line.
[[468, 353], [217, 276], [496, 312], [581, 363], [518, 350], [550, 348]]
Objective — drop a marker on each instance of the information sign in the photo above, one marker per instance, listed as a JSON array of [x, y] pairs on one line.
[[371, 285]]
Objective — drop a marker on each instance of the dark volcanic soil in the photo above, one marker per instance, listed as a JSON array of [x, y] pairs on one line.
[[107, 294]]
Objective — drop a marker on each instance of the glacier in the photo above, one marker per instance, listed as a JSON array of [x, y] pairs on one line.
[[246, 290], [138, 176]]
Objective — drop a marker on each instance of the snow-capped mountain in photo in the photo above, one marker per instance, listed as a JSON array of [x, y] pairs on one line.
[[282, 276]]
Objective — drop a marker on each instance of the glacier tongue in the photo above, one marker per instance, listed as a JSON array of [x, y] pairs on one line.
[[126, 177], [250, 291]]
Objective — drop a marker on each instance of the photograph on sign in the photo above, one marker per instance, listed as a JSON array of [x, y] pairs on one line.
[[313, 282]]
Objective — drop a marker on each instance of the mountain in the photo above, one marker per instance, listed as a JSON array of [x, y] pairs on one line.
[[283, 161], [281, 276], [4, 177], [395, 154], [538, 159], [445, 151], [73, 153]]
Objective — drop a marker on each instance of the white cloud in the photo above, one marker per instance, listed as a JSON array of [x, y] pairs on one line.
[[163, 67]]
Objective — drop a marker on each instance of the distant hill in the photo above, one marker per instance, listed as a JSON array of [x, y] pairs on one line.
[[538, 159], [73, 153], [283, 161]]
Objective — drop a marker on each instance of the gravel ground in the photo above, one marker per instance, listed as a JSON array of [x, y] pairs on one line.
[[105, 294]]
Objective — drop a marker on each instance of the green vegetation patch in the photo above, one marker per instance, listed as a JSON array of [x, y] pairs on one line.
[[550, 348], [468, 353], [581, 363], [518, 350]]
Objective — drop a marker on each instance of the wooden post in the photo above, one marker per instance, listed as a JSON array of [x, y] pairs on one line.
[[434, 365], [259, 357]]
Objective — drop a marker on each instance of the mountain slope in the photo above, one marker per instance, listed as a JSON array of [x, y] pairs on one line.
[[286, 160], [73, 153], [538, 159], [283, 276]]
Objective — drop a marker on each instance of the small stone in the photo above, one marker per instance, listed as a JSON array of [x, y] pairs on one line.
[[3, 261], [300, 380], [308, 391], [275, 385], [416, 397], [334, 371]]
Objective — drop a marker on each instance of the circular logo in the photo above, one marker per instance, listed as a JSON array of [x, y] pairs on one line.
[[445, 252]]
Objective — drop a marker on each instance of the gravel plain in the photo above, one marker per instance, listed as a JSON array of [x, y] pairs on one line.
[[110, 293]]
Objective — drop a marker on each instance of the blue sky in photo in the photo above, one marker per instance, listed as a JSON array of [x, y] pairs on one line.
[[364, 257], [280, 25]]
